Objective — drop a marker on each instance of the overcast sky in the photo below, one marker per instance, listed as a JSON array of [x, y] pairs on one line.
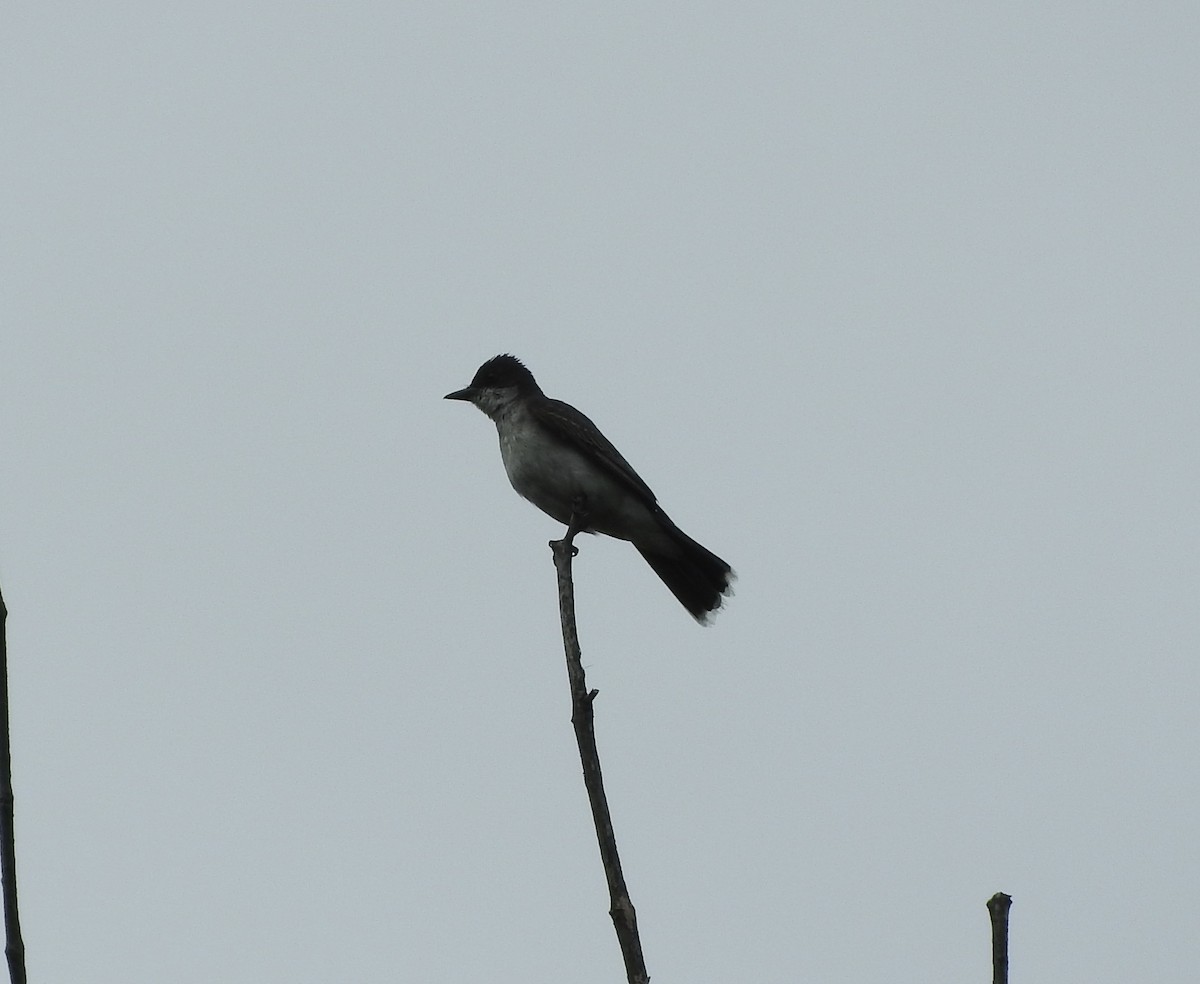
[[895, 306]]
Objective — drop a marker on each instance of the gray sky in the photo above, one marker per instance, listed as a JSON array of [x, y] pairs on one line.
[[894, 305]]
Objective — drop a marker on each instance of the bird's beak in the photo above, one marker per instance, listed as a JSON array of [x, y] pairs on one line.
[[467, 394]]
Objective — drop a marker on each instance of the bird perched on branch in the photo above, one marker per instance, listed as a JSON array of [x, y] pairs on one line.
[[558, 460]]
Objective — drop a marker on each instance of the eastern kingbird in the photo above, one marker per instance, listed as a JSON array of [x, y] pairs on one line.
[[558, 460]]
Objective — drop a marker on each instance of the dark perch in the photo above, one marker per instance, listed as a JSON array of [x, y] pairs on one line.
[[621, 908], [998, 906], [14, 947]]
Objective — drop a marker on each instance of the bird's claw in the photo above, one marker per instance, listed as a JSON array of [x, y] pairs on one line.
[[579, 519]]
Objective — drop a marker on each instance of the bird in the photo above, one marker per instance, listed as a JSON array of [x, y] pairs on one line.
[[556, 458]]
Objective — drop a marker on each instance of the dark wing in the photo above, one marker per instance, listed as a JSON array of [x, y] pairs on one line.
[[573, 428]]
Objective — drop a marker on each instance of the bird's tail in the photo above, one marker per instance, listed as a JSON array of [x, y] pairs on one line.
[[696, 576]]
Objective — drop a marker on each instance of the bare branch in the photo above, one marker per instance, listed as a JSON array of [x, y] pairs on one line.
[[998, 906], [14, 946], [621, 908]]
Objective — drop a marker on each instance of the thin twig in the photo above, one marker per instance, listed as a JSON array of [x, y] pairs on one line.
[[14, 946], [621, 908], [998, 906]]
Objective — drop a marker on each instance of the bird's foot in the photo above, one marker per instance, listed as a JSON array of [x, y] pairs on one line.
[[578, 523], [579, 517]]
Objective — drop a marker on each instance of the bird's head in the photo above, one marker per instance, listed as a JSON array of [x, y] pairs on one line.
[[497, 384]]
